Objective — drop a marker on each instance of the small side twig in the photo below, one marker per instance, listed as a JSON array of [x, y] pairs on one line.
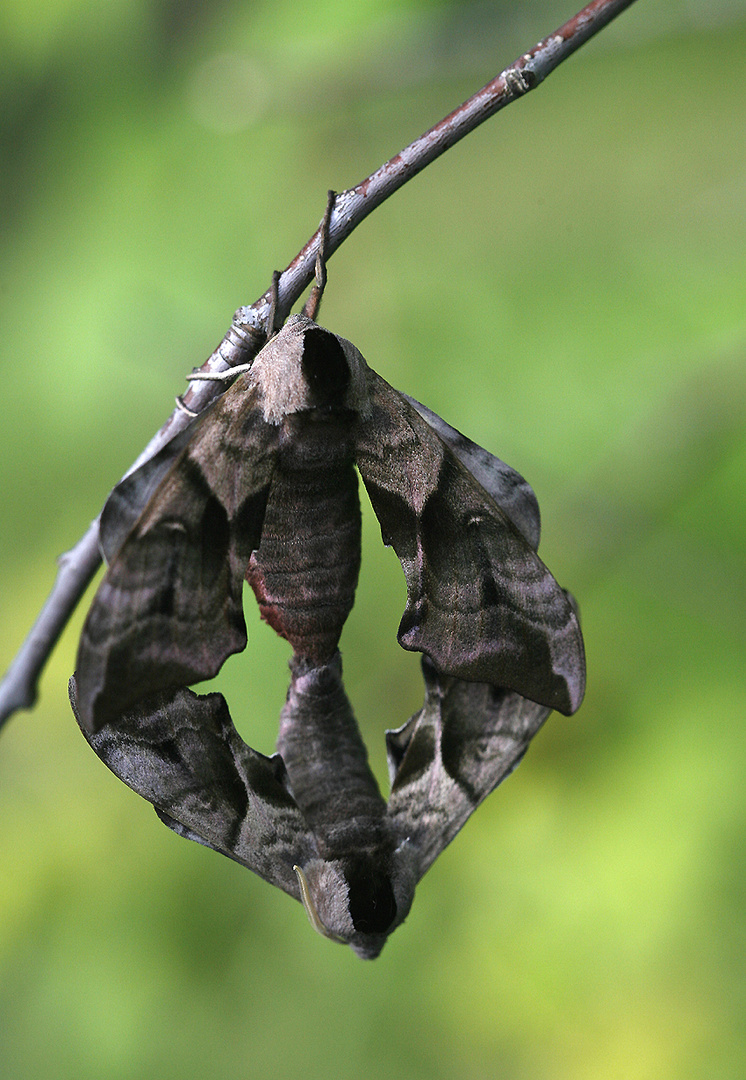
[[313, 303], [246, 334]]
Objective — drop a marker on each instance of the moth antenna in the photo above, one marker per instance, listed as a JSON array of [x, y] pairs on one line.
[[215, 376], [311, 912], [313, 303]]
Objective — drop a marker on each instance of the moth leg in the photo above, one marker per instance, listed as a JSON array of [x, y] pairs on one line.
[[274, 304], [313, 303]]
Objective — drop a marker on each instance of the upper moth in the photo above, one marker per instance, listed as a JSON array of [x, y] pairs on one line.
[[262, 486]]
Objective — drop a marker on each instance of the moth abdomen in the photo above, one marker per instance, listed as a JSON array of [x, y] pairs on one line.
[[305, 570], [341, 801]]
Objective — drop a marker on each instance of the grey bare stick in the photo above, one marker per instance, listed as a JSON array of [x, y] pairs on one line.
[[246, 334]]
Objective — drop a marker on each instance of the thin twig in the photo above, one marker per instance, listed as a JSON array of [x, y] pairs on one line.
[[313, 303], [246, 334]]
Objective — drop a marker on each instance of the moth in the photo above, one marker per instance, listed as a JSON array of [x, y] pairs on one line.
[[262, 487], [311, 819]]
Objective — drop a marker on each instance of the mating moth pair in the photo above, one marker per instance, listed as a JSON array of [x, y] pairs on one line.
[[262, 487]]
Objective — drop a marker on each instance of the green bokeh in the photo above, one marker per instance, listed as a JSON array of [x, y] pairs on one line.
[[568, 287]]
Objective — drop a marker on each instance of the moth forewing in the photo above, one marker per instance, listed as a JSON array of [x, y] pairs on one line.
[[480, 602], [181, 752], [169, 610], [451, 755], [511, 492]]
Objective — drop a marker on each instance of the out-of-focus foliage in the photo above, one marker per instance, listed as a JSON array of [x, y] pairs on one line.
[[566, 286]]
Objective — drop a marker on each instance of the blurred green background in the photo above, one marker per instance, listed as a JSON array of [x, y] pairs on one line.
[[566, 286]]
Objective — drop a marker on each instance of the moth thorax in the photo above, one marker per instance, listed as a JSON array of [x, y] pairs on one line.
[[371, 900], [305, 570], [325, 369]]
